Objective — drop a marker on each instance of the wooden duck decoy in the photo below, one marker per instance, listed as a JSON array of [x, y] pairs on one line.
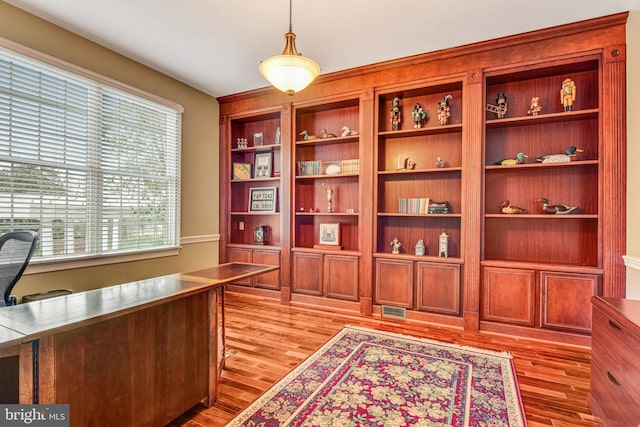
[[556, 209], [325, 134], [568, 155], [518, 160], [306, 135], [507, 208], [348, 132]]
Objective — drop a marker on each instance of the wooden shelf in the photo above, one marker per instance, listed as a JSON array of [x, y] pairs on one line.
[[543, 118]]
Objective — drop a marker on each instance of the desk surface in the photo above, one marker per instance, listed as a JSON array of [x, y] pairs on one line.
[[25, 322]]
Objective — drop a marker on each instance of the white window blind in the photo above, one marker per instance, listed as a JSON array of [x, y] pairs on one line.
[[93, 169]]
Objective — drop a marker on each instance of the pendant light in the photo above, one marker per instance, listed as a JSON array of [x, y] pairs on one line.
[[290, 72]]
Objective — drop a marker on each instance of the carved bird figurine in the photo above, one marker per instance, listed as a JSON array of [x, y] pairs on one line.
[[306, 135], [556, 209], [507, 208], [325, 134], [518, 160], [568, 155], [348, 132]]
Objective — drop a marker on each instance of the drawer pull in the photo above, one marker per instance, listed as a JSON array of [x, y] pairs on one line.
[[614, 325], [613, 379]]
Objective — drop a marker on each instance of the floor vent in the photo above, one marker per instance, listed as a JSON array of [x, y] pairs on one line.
[[397, 312]]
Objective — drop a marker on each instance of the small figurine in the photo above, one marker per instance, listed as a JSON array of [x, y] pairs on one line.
[[507, 208], [569, 154], [519, 160], [420, 248], [329, 191], [501, 106], [395, 246], [443, 247], [535, 107], [325, 134], [568, 94], [419, 116], [439, 162], [278, 135], [556, 209], [348, 132], [395, 114], [242, 142], [307, 136], [444, 110]]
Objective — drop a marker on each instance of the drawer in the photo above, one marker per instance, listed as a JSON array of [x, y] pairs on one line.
[[613, 397], [616, 349]]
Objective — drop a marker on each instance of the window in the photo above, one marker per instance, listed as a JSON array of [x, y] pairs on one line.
[[93, 168]]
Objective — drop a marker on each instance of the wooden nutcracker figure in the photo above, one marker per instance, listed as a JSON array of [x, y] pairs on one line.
[[568, 94]]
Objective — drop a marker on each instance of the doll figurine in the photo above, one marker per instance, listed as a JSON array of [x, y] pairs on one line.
[[568, 94], [395, 114], [535, 107], [419, 116], [395, 246], [444, 110]]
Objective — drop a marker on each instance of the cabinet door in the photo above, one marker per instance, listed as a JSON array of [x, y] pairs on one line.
[[508, 296], [341, 277], [240, 255], [307, 273], [438, 287], [394, 282], [566, 300], [267, 257]]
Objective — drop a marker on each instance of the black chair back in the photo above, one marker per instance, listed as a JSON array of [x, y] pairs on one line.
[[16, 249]]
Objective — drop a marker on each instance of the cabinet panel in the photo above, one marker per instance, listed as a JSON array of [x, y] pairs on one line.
[[267, 257], [394, 282], [438, 287], [508, 296], [307, 273], [341, 277], [566, 300], [240, 255]]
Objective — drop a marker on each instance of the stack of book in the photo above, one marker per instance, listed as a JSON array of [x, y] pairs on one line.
[[319, 167], [350, 166], [438, 207], [414, 205]]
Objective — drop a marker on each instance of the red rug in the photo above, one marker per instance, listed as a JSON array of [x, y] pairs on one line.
[[363, 377]]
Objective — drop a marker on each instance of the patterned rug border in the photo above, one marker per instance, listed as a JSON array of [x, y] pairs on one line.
[[510, 380]]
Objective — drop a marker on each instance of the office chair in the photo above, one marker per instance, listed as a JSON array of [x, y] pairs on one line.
[[16, 249]]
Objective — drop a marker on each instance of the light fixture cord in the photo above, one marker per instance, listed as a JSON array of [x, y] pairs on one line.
[[290, 8]]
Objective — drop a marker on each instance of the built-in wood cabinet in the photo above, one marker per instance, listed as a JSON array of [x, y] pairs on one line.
[[253, 193], [532, 273], [418, 193]]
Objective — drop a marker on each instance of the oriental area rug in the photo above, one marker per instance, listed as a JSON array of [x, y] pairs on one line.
[[363, 377]]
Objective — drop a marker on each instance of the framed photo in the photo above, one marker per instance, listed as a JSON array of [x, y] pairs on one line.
[[330, 234], [262, 199], [257, 139], [241, 171], [262, 166]]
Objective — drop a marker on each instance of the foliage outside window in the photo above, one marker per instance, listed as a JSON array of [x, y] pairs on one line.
[[92, 168]]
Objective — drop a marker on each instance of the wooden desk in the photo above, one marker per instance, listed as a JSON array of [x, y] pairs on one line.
[[141, 353]]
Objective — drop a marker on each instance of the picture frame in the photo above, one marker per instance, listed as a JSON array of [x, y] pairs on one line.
[[329, 234], [241, 171], [263, 163], [263, 199], [258, 139]]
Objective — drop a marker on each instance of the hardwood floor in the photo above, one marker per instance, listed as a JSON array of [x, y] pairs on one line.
[[270, 339]]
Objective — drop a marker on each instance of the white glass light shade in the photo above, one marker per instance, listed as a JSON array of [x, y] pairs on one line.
[[289, 72]]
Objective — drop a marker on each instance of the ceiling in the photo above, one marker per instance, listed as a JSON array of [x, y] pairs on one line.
[[216, 45]]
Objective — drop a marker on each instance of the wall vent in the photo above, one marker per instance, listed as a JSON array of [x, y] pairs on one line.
[[397, 312]]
